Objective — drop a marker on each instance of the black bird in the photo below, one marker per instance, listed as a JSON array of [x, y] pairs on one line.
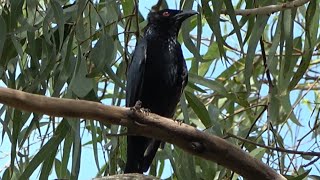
[[156, 76]]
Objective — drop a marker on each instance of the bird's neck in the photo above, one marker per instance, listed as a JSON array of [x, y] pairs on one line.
[[158, 33]]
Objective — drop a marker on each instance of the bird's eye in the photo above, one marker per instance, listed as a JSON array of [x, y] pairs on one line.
[[166, 14]]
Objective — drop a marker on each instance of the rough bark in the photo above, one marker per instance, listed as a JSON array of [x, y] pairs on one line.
[[127, 177]]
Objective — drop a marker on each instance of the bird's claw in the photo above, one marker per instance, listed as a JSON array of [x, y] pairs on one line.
[[178, 121], [138, 107], [145, 111]]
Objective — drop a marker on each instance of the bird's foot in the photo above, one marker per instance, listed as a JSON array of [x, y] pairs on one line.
[[179, 121], [145, 111], [138, 108]]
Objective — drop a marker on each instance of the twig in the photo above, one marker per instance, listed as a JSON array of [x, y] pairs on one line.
[[268, 9], [279, 149]]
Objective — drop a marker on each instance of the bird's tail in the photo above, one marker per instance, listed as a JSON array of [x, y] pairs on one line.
[[140, 153], [149, 154]]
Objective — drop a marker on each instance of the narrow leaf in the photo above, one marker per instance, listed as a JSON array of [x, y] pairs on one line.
[[3, 34], [48, 148], [199, 108]]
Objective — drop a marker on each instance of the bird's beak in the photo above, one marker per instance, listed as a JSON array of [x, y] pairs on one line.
[[185, 14]]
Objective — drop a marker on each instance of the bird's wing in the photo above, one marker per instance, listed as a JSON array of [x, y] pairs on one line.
[[136, 145], [135, 73]]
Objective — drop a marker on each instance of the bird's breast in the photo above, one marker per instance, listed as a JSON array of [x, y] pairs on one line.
[[163, 78], [165, 64]]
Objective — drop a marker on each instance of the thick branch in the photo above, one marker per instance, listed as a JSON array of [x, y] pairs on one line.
[[184, 136], [127, 177]]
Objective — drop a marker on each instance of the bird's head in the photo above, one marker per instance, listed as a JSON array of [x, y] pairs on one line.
[[168, 19]]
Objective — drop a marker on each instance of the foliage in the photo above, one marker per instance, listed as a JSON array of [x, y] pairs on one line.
[[251, 76]]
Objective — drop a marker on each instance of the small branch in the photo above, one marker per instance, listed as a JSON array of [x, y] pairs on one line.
[[117, 135], [186, 137], [310, 163], [264, 58], [268, 9], [303, 95], [279, 149]]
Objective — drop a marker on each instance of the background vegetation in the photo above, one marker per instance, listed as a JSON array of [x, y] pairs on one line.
[[253, 80]]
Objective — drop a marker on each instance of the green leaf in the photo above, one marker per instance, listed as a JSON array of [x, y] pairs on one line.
[[67, 66], [287, 70], [103, 52], [76, 148], [214, 85], [285, 102], [34, 125], [199, 108], [214, 113], [80, 84], [195, 87], [3, 34], [259, 26], [48, 62], [184, 109], [185, 30], [258, 153], [10, 173], [213, 52], [17, 46], [63, 171], [115, 78], [58, 15], [118, 92], [47, 165], [272, 60], [307, 157], [94, 143], [16, 12], [6, 129], [274, 106], [213, 20], [50, 147], [17, 115], [184, 165], [312, 27], [301, 176], [58, 167], [236, 27]]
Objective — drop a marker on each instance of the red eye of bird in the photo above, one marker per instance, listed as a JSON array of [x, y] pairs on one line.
[[166, 14]]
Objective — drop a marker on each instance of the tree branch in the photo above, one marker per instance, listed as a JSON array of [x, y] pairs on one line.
[[268, 9], [150, 125], [279, 149], [127, 176]]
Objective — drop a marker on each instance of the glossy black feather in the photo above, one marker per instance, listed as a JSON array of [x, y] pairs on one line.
[[156, 76]]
